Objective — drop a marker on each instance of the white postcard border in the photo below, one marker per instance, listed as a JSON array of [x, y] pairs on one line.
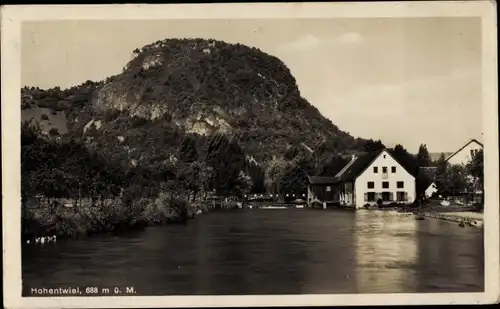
[[12, 18]]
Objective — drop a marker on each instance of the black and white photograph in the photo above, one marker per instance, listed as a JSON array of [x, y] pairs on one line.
[[250, 154]]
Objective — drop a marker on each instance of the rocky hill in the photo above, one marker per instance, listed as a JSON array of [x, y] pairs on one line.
[[185, 101]]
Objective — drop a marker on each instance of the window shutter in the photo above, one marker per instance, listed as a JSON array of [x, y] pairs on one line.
[[406, 196], [366, 197], [391, 196]]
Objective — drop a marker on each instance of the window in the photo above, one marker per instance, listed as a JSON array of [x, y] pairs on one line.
[[375, 169], [384, 156], [328, 188], [384, 169], [393, 169], [401, 184], [401, 196], [371, 185], [370, 197], [386, 196], [385, 184], [472, 152]]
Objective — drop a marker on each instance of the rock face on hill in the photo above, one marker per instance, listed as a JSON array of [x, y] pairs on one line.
[[206, 87], [194, 92]]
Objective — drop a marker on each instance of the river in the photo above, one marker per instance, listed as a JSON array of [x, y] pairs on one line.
[[298, 251]]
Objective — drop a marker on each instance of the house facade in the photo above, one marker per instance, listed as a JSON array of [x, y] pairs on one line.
[[367, 179], [464, 155]]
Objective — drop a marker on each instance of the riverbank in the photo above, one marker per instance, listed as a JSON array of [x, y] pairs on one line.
[[113, 215], [462, 218]]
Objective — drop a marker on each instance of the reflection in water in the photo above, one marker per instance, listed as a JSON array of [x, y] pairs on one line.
[[387, 252], [270, 252]]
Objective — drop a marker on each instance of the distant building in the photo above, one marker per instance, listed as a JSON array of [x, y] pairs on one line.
[[434, 156], [366, 179], [431, 190], [464, 154]]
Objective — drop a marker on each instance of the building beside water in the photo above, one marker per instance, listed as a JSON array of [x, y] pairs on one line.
[[367, 179]]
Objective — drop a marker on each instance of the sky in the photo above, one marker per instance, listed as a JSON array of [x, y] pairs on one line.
[[406, 81]]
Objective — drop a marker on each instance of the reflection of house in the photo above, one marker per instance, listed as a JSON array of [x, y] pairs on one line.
[[465, 153], [365, 180], [387, 252]]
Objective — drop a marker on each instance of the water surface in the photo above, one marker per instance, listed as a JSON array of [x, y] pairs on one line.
[[261, 251]]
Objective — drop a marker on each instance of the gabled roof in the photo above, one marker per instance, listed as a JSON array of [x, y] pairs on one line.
[[467, 144], [355, 168], [429, 184]]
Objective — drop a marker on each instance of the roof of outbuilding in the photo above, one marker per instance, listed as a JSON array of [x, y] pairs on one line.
[[357, 167], [321, 180]]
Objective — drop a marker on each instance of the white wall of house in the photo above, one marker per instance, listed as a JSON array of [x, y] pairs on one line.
[[464, 156], [408, 191], [431, 190]]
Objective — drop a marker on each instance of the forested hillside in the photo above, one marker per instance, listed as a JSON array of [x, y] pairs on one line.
[[201, 114]]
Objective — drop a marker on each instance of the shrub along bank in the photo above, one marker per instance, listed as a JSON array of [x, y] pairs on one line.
[[103, 217]]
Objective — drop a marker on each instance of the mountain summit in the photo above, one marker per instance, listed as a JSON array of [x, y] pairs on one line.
[[207, 86]]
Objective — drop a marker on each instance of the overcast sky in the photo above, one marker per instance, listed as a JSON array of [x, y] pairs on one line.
[[401, 80]]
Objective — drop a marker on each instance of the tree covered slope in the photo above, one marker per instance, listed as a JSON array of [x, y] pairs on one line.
[[229, 112]]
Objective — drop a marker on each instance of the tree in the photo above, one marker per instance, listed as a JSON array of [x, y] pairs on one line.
[[476, 169], [423, 157], [257, 176], [456, 180], [227, 160], [373, 146], [422, 160], [441, 176], [333, 165], [294, 180], [274, 172]]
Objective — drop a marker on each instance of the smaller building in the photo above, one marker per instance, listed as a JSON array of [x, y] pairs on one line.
[[431, 190], [465, 153], [320, 190], [367, 179]]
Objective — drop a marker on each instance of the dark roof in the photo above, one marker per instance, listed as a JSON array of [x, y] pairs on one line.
[[357, 167], [472, 140], [320, 180]]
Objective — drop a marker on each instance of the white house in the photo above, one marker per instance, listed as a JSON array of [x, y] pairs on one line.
[[365, 180], [431, 189], [465, 153]]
